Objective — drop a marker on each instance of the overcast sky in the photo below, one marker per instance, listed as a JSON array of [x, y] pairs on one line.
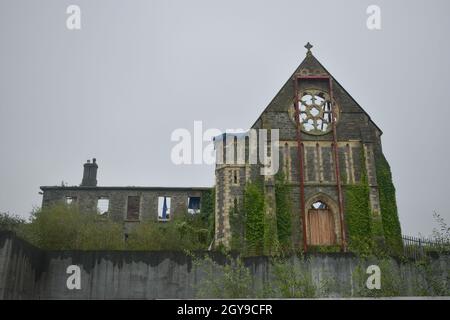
[[137, 70]]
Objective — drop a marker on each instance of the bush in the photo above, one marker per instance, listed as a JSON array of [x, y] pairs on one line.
[[10, 222], [63, 227], [231, 280], [187, 232]]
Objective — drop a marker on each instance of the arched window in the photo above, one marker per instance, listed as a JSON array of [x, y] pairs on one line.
[[319, 205]]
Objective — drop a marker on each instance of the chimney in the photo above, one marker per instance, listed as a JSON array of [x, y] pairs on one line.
[[90, 174]]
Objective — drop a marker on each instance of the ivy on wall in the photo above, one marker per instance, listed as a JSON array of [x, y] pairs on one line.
[[283, 211], [237, 226], [208, 211], [388, 206], [358, 214], [254, 212]]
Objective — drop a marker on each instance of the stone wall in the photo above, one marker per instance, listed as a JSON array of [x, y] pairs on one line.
[[29, 273]]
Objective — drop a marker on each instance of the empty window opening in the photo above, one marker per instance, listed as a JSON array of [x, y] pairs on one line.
[[103, 206], [319, 205], [134, 203], [71, 200], [193, 205], [164, 208], [235, 177]]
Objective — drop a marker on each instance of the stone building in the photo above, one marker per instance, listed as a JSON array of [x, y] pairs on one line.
[[129, 205], [330, 158]]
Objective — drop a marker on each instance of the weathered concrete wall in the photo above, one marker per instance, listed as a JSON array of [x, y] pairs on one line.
[[29, 273], [20, 267]]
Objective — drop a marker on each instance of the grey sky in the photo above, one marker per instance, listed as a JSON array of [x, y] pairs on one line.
[[137, 70]]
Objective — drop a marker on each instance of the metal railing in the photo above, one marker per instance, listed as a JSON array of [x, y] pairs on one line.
[[418, 247]]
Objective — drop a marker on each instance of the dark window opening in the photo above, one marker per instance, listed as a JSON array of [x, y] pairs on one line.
[[193, 205], [133, 207]]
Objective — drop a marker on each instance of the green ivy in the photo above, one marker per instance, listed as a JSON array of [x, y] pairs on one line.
[[283, 211], [208, 211], [254, 211], [237, 223], [388, 206], [358, 214]]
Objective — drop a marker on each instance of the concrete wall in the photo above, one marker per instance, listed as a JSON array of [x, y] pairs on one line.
[[20, 267], [29, 273]]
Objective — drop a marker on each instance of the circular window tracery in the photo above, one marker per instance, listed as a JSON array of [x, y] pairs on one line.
[[315, 112]]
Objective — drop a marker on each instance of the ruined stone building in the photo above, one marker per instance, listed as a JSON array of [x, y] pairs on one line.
[[129, 205], [340, 191]]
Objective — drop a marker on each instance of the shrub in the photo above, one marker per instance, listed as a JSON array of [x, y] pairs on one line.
[[229, 281], [62, 227], [10, 222], [186, 232]]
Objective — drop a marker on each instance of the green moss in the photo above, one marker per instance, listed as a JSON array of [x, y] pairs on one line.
[[388, 206]]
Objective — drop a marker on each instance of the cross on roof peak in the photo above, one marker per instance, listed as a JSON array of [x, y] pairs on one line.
[[308, 46]]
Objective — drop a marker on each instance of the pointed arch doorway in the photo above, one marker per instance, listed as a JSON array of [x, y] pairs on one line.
[[322, 222]]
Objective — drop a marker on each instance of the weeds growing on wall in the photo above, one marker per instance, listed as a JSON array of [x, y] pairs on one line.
[[235, 280], [296, 280], [230, 280]]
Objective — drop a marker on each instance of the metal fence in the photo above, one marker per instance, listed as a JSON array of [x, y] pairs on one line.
[[417, 247]]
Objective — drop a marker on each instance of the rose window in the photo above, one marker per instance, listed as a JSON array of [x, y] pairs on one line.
[[315, 112]]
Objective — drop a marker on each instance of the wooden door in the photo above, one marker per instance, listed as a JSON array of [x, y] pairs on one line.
[[321, 227]]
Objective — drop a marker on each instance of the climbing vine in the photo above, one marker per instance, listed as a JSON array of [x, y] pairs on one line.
[[254, 209], [388, 206], [237, 223], [283, 211], [208, 211], [358, 214]]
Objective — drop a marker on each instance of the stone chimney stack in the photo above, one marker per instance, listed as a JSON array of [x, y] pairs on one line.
[[90, 174]]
